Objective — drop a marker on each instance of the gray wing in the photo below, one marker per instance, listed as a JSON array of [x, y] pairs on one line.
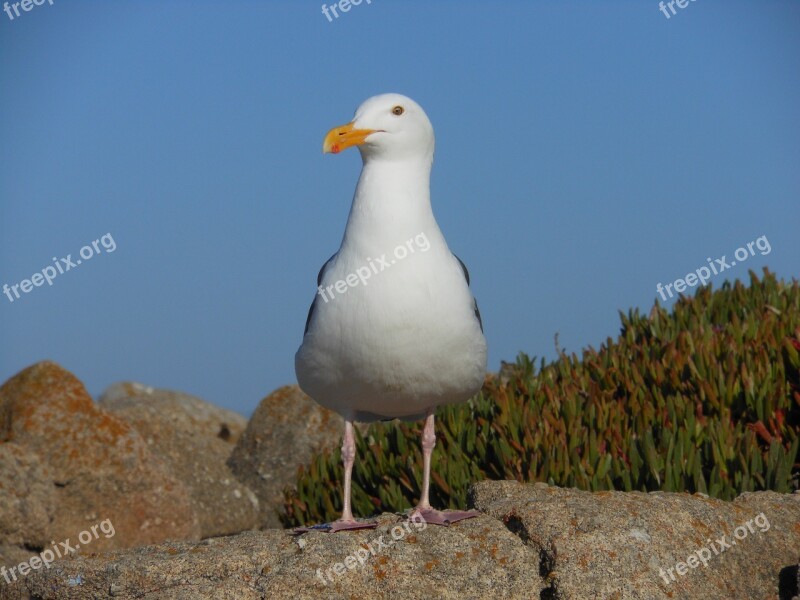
[[466, 276], [320, 275]]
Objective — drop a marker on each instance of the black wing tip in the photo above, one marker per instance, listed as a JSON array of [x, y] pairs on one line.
[[308, 318], [463, 268], [466, 276], [320, 275], [322, 269]]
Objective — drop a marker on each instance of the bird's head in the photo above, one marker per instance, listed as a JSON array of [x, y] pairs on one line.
[[389, 126]]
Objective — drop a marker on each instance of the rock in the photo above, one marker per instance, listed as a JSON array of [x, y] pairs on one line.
[[187, 413], [627, 545], [477, 559], [195, 439], [287, 429], [534, 541], [99, 465], [27, 498], [10, 589], [797, 582], [790, 583]]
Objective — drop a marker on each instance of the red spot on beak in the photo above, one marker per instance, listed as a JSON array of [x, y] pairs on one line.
[[335, 149]]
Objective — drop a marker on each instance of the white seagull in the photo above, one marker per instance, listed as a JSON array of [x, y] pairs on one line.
[[394, 330]]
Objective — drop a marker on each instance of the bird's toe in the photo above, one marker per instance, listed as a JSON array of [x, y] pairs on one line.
[[442, 517]]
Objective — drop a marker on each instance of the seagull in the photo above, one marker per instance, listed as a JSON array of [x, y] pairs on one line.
[[394, 330]]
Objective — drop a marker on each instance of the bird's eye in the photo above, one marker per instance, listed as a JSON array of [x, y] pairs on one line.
[[398, 110]]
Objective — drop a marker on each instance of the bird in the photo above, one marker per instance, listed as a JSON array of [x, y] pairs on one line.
[[394, 330]]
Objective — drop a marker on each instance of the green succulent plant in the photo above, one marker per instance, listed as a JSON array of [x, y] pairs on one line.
[[702, 398]]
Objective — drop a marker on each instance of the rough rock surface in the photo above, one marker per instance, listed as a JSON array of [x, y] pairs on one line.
[[195, 439], [533, 541], [477, 559], [285, 431], [797, 580], [185, 412], [27, 497], [99, 466], [12, 555], [621, 545]]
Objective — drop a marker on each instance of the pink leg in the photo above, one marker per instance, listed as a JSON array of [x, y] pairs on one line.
[[348, 457], [431, 515], [428, 443], [346, 521]]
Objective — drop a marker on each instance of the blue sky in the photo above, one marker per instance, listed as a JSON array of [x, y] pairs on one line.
[[586, 151]]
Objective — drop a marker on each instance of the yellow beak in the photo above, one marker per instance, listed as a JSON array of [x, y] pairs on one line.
[[341, 138]]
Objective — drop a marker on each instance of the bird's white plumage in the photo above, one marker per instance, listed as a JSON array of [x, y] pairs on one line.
[[410, 339]]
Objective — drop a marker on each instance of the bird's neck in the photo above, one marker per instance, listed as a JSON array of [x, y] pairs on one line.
[[392, 199]]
